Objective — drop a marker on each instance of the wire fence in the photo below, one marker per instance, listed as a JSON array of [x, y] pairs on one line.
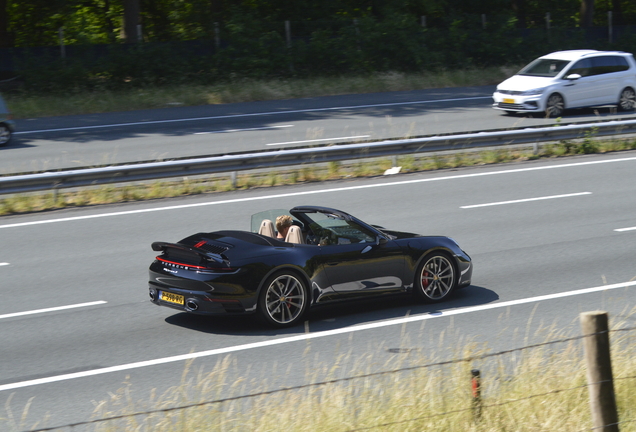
[[475, 409]]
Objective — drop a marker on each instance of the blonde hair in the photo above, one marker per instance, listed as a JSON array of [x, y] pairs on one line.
[[283, 222]]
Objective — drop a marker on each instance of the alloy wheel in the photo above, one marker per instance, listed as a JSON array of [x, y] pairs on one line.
[[5, 135], [285, 300], [555, 105], [437, 277], [627, 101]]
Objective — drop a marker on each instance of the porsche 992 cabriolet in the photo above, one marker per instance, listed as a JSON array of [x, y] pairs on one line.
[[327, 256]]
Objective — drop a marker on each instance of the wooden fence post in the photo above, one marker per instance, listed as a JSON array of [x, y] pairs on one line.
[[475, 384], [599, 371]]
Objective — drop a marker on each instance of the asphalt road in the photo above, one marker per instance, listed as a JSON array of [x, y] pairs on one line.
[[88, 140], [548, 228]]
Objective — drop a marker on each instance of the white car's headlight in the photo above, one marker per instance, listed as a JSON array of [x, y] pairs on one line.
[[533, 92]]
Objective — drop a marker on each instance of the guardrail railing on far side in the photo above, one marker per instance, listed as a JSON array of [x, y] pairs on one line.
[[279, 158]]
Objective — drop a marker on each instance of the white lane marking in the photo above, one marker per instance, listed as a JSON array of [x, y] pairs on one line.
[[252, 115], [625, 229], [318, 140], [526, 200], [314, 192], [53, 309], [4, 264], [243, 130], [308, 336]]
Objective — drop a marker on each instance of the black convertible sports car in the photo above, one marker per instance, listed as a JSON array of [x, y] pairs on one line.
[[327, 256]]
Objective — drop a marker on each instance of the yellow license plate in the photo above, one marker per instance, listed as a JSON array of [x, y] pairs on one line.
[[172, 298], [508, 100]]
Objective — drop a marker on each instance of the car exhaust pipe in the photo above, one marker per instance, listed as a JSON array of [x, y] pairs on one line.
[[152, 293], [191, 305]]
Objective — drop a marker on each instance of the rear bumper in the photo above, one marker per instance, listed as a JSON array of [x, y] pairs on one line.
[[199, 302]]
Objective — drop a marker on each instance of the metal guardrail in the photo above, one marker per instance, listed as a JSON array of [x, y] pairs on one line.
[[279, 158]]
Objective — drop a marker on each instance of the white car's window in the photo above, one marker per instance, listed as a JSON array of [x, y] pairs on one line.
[[544, 68], [582, 67], [608, 64]]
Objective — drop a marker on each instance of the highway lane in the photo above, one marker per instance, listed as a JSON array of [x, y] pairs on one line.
[[533, 229], [87, 140]]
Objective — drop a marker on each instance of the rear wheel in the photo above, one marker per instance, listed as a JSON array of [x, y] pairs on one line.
[[627, 101], [283, 300], [555, 105], [436, 278]]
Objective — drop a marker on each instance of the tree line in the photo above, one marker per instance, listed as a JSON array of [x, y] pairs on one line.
[[32, 23]]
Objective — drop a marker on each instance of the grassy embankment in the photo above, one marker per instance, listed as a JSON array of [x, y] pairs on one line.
[[26, 105]]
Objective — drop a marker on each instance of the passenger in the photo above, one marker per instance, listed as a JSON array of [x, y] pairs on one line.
[[283, 223]]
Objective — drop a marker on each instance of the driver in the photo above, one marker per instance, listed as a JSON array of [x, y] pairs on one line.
[[283, 223]]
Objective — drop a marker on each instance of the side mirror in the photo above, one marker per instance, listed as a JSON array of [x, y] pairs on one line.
[[380, 240], [573, 77]]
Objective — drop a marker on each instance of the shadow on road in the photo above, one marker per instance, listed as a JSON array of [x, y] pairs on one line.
[[336, 316]]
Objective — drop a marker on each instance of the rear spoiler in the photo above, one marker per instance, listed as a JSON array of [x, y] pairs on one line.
[[208, 256]]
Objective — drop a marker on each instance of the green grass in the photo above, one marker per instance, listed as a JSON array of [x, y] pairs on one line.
[[27, 105]]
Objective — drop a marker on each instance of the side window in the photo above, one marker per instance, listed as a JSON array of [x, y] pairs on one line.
[[582, 67], [608, 64]]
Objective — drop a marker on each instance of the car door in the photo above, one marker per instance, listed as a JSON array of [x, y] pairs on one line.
[[361, 264], [582, 91]]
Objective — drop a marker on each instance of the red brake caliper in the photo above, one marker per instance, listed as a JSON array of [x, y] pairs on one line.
[[424, 279]]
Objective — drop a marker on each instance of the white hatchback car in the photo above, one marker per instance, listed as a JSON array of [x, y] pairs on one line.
[[570, 79]]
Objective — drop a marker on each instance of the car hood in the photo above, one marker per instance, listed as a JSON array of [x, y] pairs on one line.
[[525, 82]]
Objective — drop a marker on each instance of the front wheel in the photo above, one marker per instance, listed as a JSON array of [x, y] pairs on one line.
[[5, 135], [555, 105], [627, 101], [436, 278], [283, 300]]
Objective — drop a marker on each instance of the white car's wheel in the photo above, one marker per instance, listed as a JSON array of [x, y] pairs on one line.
[[627, 101], [5, 135], [555, 105]]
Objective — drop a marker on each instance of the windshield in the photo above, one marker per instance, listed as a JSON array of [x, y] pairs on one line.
[[544, 68], [333, 229]]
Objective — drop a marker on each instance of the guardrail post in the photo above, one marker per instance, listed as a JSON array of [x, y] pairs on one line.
[[217, 36], [289, 44], [60, 36], [233, 177], [475, 383], [599, 371]]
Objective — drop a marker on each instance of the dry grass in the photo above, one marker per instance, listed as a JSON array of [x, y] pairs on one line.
[[532, 389], [535, 390]]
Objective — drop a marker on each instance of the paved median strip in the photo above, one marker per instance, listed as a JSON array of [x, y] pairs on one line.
[[309, 336]]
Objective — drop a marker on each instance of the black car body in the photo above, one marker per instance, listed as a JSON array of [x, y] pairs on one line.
[[242, 272]]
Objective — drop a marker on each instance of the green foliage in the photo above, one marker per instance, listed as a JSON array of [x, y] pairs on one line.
[[328, 38]]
